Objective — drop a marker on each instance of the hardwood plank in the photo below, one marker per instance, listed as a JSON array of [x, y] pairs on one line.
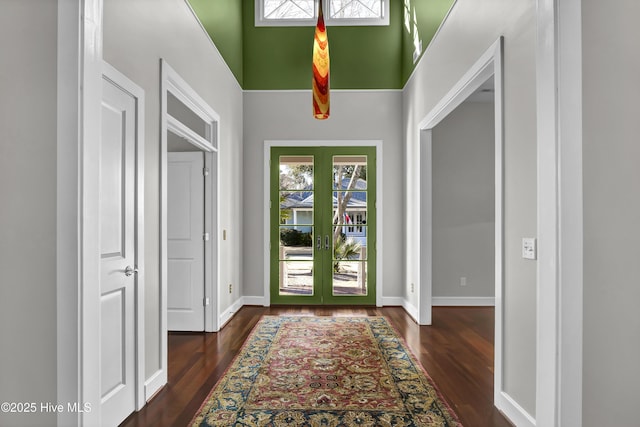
[[456, 351]]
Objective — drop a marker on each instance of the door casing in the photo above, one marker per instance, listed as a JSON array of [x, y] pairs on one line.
[[489, 65], [266, 204], [171, 82]]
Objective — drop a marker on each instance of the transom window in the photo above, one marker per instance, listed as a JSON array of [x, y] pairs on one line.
[[336, 12]]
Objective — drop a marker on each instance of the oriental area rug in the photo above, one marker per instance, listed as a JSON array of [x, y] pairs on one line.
[[325, 371]]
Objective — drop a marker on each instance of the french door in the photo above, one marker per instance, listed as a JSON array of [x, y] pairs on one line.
[[323, 225]]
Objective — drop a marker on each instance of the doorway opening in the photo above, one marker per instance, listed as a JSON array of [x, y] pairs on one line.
[[190, 127], [463, 203], [484, 79]]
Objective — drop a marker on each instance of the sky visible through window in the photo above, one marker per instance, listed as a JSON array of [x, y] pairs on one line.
[[337, 9], [354, 9], [289, 9]]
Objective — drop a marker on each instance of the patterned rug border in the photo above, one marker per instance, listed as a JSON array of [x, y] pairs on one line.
[[265, 317], [232, 364], [416, 361]]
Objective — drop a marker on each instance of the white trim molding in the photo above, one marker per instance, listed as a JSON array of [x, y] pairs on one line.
[[514, 412], [487, 66], [154, 383], [393, 301], [464, 301], [78, 155], [260, 301], [171, 82], [231, 311], [560, 266], [411, 309]]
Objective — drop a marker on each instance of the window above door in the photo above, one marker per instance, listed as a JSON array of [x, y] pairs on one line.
[[291, 13]]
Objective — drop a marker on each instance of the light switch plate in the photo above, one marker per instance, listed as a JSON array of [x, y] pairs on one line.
[[529, 248]]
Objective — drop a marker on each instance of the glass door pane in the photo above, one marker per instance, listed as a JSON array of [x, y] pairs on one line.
[[296, 230], [349, 229]]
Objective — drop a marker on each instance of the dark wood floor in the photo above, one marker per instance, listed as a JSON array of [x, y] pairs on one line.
[[456, 351]]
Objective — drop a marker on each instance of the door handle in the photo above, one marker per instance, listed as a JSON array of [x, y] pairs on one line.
[[326, 242], [130, 271], [319, 242]]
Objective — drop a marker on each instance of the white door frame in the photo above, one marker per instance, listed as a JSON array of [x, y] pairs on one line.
[[80, 71], [560, 213], [267, 205], [487, 66], [78, 148], [171, 82]]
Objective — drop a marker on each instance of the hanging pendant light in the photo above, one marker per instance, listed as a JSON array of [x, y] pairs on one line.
[[320, 83]]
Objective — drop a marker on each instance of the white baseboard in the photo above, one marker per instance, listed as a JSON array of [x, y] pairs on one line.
[[229, 312], [254, 301], [411, 309], [386, 301], [392, 301], [154, 384], [463, 301], [514, 412]]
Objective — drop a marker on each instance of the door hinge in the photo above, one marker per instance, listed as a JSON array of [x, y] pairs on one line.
[[205, 171], [205, 237], [205, 301]]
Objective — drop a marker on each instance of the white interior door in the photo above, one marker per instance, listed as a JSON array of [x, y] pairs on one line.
[[185, 241], [117, 255]]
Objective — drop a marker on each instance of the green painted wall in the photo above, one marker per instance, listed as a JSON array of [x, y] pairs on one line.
[[223, 21], [361, 57], [279, 58], [428, 16]]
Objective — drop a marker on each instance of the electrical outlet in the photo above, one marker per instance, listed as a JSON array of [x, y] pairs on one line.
[[230, 288], [463, 281]]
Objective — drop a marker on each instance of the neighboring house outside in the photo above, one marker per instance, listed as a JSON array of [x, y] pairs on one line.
[[299, 206]]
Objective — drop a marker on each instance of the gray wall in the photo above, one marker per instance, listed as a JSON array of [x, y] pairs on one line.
[[471, 28], [355, 115], [136, 35], [28, 34], [463, 202], [611, 150]]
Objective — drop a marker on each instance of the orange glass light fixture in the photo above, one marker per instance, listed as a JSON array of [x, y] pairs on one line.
[[320, 83]]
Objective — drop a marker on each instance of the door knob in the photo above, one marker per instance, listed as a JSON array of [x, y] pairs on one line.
[[130, 271]]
